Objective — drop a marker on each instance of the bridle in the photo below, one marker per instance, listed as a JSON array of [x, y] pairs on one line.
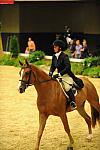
[[27, 83]]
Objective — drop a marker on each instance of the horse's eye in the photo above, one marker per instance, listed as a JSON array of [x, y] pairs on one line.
[[27, 73]]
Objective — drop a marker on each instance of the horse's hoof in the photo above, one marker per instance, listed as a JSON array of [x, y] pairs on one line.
[[69, 148], [89, 137]]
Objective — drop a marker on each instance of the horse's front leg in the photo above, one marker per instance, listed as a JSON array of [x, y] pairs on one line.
[[42, 123], [67, 129]]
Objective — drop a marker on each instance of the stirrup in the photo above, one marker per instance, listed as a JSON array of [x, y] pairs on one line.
[[73, 105]]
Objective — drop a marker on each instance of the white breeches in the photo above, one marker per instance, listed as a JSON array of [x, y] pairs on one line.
[[66, 81]]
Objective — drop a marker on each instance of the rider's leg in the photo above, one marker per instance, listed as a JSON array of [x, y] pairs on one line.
[[67, 85], [72, 98]]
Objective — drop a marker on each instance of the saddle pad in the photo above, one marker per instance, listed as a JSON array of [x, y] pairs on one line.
[[73, 89]]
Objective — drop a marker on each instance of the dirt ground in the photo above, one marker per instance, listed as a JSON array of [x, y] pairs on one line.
[[19, 119]]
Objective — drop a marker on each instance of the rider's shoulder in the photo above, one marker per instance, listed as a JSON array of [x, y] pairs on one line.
[[64, 54]]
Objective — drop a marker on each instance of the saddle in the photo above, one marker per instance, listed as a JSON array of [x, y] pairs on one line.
[[75, 87], [78, 83]]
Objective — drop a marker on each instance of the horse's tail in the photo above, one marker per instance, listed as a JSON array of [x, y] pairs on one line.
[[95, 115], [93, 99]]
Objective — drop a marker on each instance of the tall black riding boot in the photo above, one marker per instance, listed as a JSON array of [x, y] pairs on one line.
[[72, 99]]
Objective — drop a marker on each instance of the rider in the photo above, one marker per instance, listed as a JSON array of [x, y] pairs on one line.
[[60, 61]]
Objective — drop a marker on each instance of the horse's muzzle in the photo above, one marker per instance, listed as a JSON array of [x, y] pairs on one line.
[[21, 89]]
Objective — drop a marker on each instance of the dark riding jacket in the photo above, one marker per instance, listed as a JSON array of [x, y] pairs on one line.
[[62, 64], [64, 67]]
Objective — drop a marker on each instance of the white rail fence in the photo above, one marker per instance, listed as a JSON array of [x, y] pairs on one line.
[[49, 57]]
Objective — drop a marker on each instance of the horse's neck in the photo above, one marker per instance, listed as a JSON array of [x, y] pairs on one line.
[[45, 87], [41, 76], [41, 79]]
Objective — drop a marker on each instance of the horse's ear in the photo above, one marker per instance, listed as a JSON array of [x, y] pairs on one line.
[[26, 61], [20, 63]]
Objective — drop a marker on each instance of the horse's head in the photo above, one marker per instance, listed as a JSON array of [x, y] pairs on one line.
[[25, 76], [31, 75]]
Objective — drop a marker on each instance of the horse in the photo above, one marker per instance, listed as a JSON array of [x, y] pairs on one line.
[[51, 100]]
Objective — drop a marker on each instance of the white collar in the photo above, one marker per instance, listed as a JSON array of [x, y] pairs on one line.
[[57, 54]]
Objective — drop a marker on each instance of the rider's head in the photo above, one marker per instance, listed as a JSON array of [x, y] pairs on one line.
[[59, 45]]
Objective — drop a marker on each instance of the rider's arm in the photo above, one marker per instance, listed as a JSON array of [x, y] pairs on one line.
[[67, 65], [52, 68]]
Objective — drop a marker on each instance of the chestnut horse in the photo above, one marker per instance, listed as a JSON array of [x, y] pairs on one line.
[[51, 99]]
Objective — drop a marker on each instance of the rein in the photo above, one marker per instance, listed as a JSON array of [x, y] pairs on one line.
[[43, 81], [35, 82], [38, 82], [28, 84]]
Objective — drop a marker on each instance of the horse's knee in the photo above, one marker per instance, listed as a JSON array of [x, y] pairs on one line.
[[39, 135], [67, 129]]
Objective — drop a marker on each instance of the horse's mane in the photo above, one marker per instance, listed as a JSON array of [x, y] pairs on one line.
[[39, 71]]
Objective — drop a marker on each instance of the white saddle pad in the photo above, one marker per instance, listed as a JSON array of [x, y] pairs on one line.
[[62, 86]]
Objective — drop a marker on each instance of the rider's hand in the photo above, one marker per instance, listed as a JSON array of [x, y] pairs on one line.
[[50, 74], [55, 76], [60, 79]]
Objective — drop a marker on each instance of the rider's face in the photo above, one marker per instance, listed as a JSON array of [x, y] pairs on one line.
[[57, 49]]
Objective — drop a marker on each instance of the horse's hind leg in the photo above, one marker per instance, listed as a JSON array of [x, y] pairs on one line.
[[87, 118], [66, 127]]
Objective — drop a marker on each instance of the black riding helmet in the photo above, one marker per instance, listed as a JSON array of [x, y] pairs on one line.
[[59, 43]]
